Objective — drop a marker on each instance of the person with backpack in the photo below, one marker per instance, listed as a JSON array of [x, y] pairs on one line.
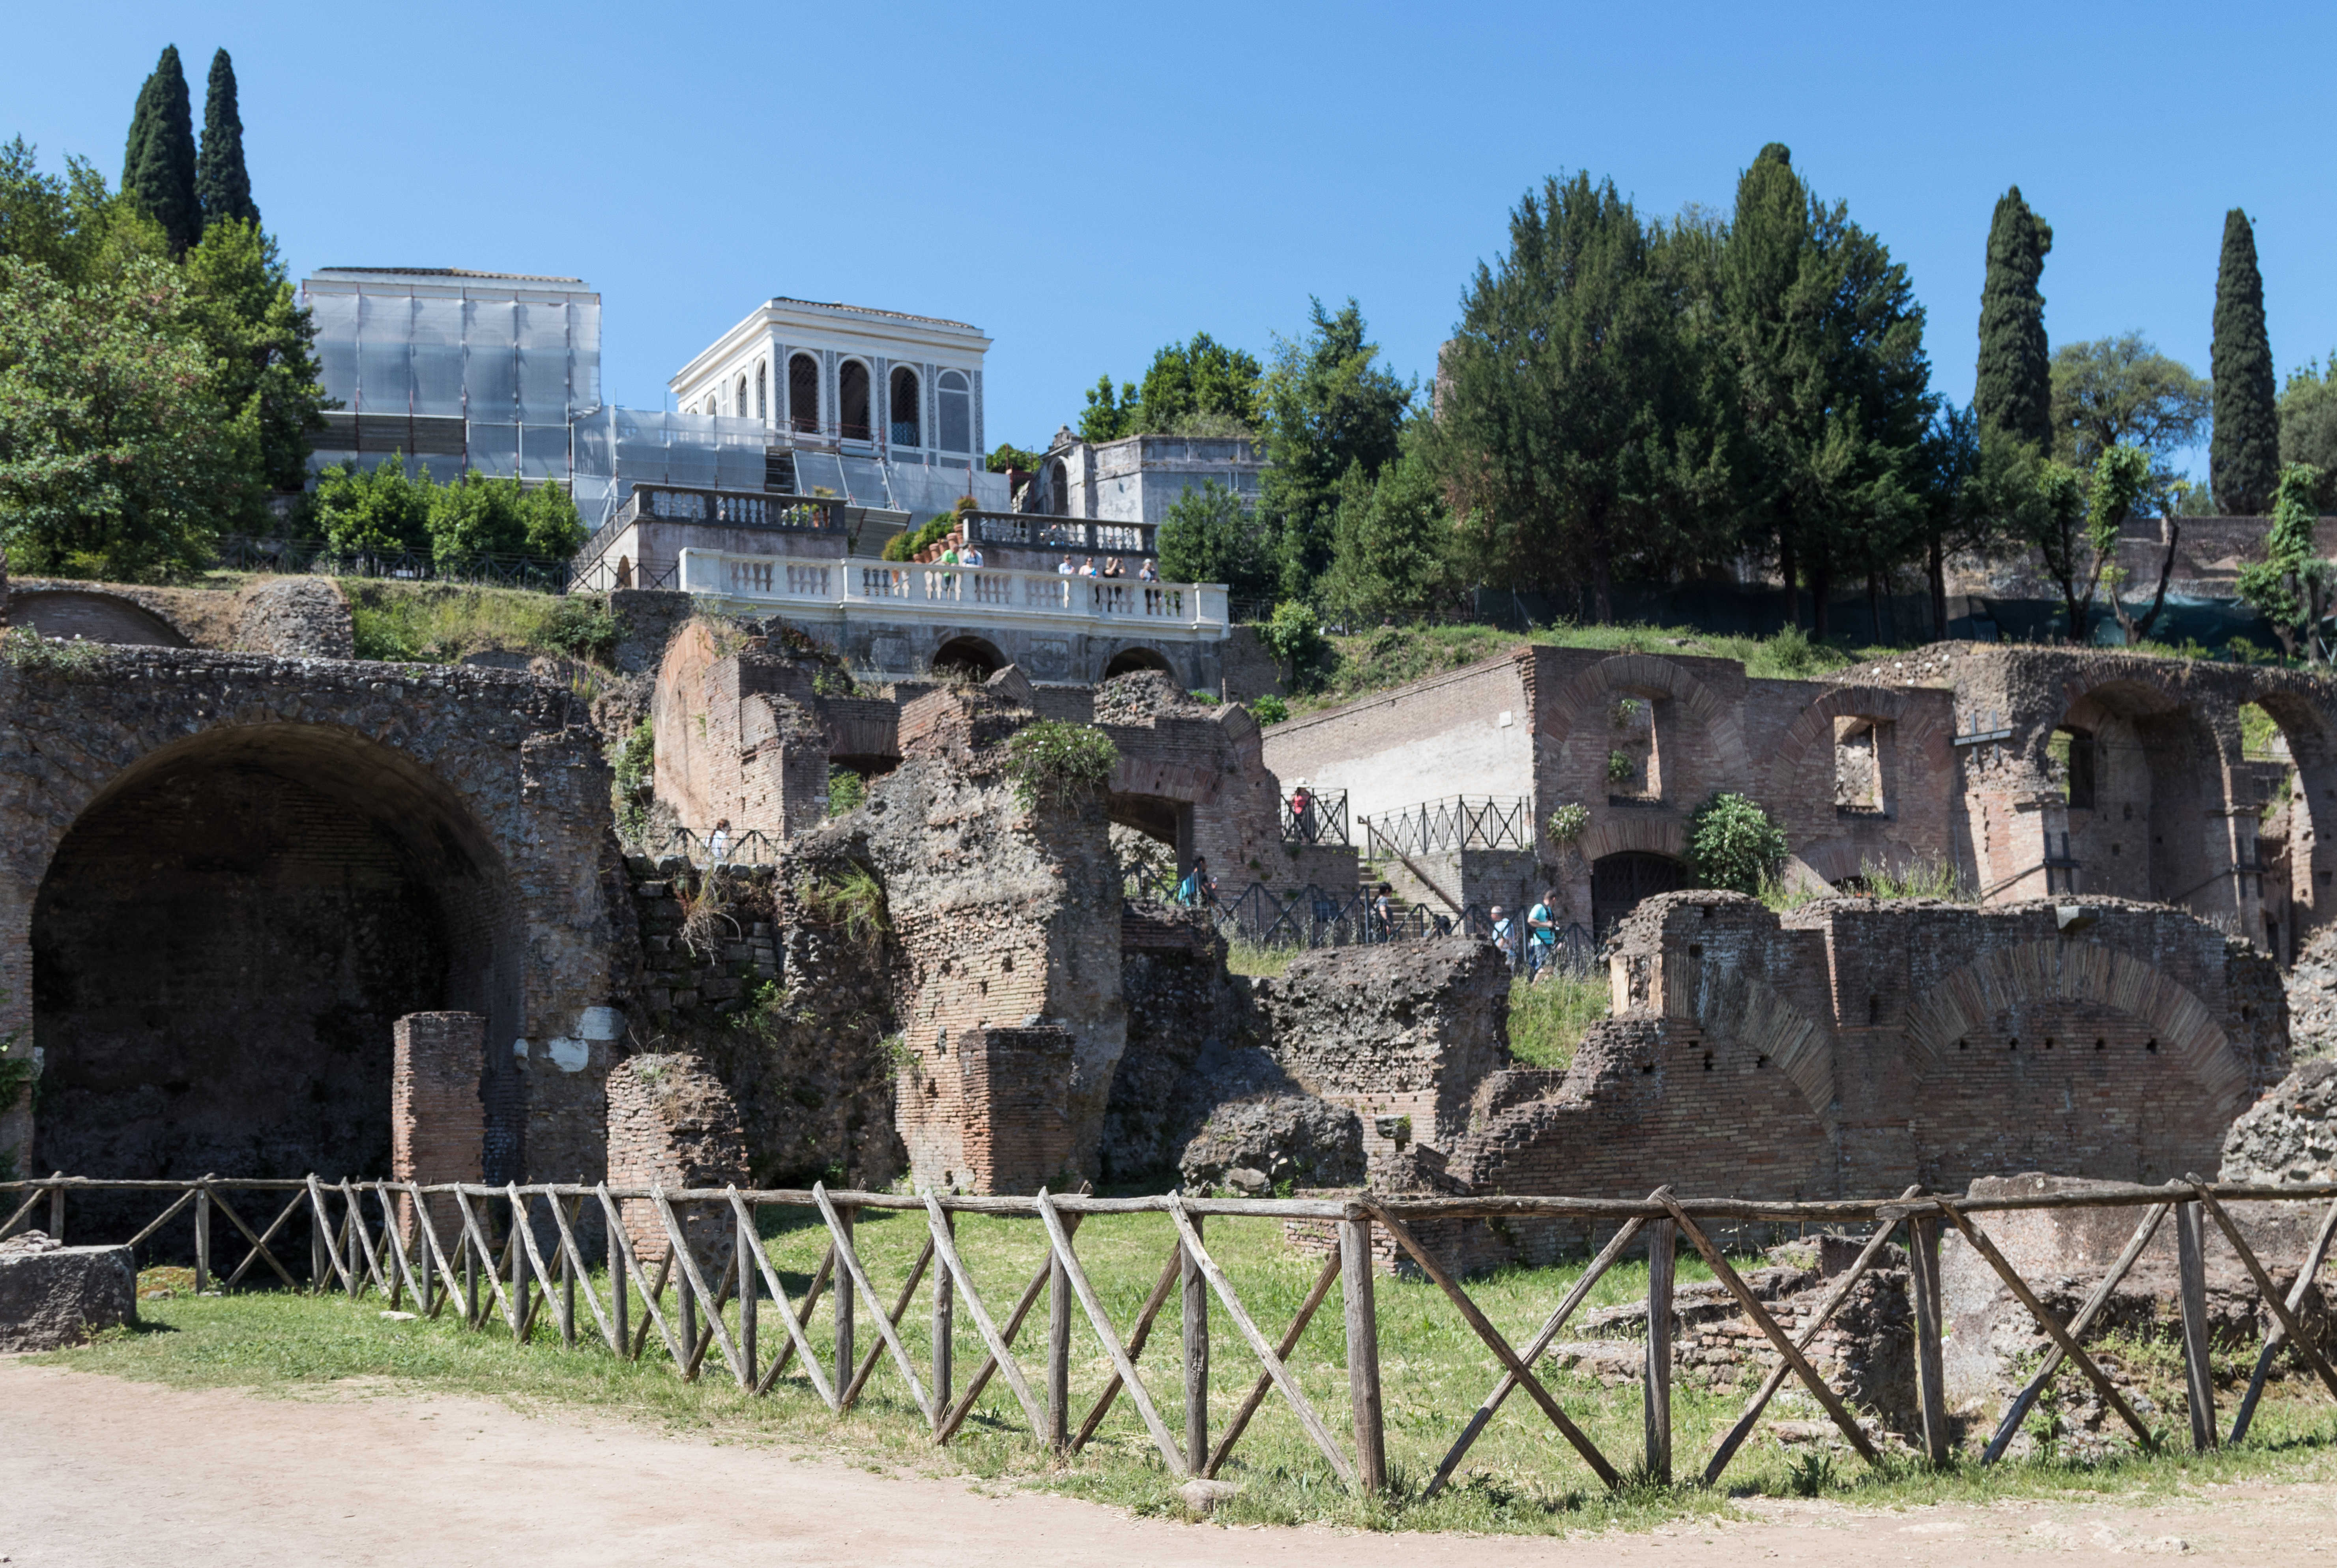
[[1196, 889], [1541, 936], [1505, 934]]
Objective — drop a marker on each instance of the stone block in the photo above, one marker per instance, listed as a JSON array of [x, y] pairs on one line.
[[52, 1296]]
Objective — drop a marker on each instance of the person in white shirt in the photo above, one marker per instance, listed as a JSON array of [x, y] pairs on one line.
[[1065, 569]]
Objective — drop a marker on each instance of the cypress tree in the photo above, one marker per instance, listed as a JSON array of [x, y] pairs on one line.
[[159, 169], [2244, 453], [221, 184], [2014, 390]]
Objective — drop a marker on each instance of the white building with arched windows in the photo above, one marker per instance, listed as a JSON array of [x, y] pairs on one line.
[[868, 403]]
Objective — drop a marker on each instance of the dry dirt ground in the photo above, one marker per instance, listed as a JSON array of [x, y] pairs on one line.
[[104, 1472]]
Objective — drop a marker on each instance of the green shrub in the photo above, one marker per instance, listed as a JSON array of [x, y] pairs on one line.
[[1268, 709], [846, 791], [1570, 822], [633, 760], [1054, 762], [1734, 845], [585, 629], [853, 899], [1206, 699], [25, 649]]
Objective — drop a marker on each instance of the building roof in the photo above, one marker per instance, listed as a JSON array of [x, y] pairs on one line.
[[448, 272], [867, 310]]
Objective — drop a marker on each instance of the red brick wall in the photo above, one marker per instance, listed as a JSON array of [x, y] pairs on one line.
[[437, 1124]]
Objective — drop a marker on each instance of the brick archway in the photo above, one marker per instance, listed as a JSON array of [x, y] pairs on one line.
[[1965, 1002], [1641, 674], [1729, 1004]]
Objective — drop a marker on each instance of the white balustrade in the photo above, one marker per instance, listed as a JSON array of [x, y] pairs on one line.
[[983, 591]]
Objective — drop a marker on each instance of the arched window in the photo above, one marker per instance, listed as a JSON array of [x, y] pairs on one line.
[[957, 412], [1059, 489], [907, 420], [803, 394], [740, 402], [762, 399], [852, 402]]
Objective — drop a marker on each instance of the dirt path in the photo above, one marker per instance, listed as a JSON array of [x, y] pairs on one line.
[[122, 1474]]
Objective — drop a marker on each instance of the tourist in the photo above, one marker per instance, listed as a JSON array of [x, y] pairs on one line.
[[1065, 569], [717, 841], [949, 558], [1088, 567], [1301, 812], [1384, 911], [1145, 573], [1196, 889], [970, 556], [1542, 935], [1505, 934], [1112, 568]]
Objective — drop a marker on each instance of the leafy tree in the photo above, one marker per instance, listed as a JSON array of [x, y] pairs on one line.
[[2308, 416], [222, 188], [71, 224], [2013, 392], [1568, 417], [1394, 554], [1009, 456], [2244, 452], [116, 452], [1292, 635], [1199, 381], [377, 511], [2071, 518], [2122, 392], [242, 307], [1832, 382], [1324, 407], [1733, 844], [478, 515], [2293, 587], [1108, 416], [1949, 458], [158, 168], [1209, 536]]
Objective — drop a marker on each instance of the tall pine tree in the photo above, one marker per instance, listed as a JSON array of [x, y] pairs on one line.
[[2014, 392], [158, 170], [2244, 453], [221, 186]]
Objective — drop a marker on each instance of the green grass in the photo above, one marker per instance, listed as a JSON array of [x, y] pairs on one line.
[[1520, 1476], [1548, 1016], [440, 623], [1259, 962]]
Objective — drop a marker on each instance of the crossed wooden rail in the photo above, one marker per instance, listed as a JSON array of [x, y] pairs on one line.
[[399, 1253]]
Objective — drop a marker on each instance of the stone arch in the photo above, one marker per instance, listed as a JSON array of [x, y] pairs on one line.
[[223, 936], [92, 615], [2156, 826], [854, 395], [1834, 861], [2306, 725], [1134, 657], [1729, 1003], [1646, 674], [977, 653], [1799, 783], [1649, 834], [1963, 1003]]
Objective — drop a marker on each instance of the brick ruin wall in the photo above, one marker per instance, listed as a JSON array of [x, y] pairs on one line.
[[1856, 1047], [673, 1124], [437, 1122], [226, 875]]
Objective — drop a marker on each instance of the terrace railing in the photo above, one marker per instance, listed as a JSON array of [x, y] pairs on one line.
[[980, 592], [1322, 821], [512, 1259], [1458, 822], [1072, 536]]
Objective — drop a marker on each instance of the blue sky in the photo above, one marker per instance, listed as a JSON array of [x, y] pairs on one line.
[[1085, 183]]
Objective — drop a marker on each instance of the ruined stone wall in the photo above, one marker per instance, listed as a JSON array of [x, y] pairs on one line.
[[673, 1125], [1195, 1041], [738, 739], [1402, 1032], [1856, 1047], [290, 617], [225, 876]]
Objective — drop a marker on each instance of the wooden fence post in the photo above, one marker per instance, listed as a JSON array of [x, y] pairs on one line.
[[842, 1290], [521, 1327], [57, 1210], [1059, 1353], [203, 1240], [2191, 1264], [316, 1247], [1363, 1352], [621, 1289], [1930, 1370], [470, 1282], [1655, 1378], [945, 1324], [750, 1292], [1195, 1308]]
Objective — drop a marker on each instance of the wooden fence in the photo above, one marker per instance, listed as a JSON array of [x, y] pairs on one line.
[[378, 1237]]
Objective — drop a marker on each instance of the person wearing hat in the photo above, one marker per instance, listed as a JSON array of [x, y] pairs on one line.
[[1301, 811]]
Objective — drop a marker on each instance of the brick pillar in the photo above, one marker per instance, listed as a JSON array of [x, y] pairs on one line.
[[437, 1123], [673, 1125]]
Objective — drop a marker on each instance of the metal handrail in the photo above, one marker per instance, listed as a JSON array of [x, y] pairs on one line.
[[1325, 821], [1458, 822]]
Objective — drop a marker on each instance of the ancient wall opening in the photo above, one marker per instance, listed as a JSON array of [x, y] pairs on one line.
[[2292, 771], [2143, 780], [95, 617], [973, 656], [1129, 661], [224, 939], [1620, 881]]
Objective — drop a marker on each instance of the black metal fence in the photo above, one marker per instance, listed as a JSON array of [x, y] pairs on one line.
[[1315, 816], [1457, 822], [718, 846], [544, 573]]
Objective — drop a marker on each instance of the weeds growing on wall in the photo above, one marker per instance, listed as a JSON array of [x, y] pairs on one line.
[[583, 628], [1268, 709], [633, 760], [1733, 844], [1548, 1016], [25, 649], [1054, 761], [706, 918], [853, 899], [846, 791]]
